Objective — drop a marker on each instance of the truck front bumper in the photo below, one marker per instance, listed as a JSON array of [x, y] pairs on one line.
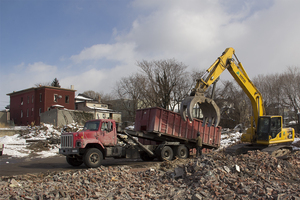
[[69, 151]]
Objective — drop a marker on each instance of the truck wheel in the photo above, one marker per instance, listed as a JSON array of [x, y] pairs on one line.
[[166, 153], [145, 157], [73, 161], [181, 151], [93, 158]]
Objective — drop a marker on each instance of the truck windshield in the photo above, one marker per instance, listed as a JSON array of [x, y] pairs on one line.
[[92, 126]]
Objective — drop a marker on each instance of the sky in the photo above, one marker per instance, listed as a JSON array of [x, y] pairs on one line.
[[92, 44]]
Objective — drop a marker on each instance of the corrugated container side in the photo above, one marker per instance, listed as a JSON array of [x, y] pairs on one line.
[[168, 122]]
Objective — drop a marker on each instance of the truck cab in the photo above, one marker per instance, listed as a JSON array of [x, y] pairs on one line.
[[104, 131], [97, 140]]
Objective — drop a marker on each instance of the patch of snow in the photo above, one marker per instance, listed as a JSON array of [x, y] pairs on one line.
[[16, 145], [130, 128], [292, 122], [52, 152], [229, 139], [296, 140], [15, 128]]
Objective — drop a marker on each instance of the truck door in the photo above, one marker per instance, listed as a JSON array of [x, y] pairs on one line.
[[108, 134]]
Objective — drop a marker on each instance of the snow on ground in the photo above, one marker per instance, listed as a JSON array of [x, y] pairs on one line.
[[297, 140], [229, 139], [130, 128], [19, 145], [14, 146]]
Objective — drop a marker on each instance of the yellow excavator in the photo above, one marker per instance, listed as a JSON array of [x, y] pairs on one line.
[[266, 132]]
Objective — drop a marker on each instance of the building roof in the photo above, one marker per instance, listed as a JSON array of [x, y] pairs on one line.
[[83, 97], [35, 88], [97, 108]]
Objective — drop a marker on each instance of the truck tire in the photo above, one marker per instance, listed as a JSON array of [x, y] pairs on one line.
[[181, 151], [145, 157], [166, 153], [93, 158], [73, 161]]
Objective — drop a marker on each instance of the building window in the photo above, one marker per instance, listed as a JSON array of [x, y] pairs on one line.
[[67, 99], [27, 114], [55, 97], [21, 100], [32, 111], [41, 97], [32, 99], [21, 113], [40, 111], [28, 99]]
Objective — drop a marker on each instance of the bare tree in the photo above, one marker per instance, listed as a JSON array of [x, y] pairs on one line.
[[94, 95], [166, 82], [234, 104], [290, 83], [42, 84], [106, 97], [128, 92], [161, 83], [270, 88]]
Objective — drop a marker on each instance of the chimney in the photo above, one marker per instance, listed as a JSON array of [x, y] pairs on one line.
[[72, 87]]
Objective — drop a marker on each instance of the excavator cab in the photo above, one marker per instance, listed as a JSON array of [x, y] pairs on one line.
[[268, 127], [270, 131]]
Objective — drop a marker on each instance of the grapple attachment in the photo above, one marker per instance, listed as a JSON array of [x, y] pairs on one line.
[[210, 110]]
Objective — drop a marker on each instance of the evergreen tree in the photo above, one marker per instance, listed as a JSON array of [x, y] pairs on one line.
[[55, 83]]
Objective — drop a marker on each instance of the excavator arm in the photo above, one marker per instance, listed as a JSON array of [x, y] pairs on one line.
[[210, 110]]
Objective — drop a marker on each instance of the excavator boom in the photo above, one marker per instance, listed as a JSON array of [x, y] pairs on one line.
[[210, 110]]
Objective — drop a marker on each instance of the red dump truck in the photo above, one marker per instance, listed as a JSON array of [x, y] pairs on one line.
[[158, 134]]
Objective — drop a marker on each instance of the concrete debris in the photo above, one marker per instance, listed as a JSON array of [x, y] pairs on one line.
[[255, 175]]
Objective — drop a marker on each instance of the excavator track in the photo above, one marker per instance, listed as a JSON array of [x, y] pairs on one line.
[[278, 151], [243, 148]]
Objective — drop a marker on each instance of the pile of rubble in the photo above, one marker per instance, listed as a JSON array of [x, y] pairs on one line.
[[216, 175]]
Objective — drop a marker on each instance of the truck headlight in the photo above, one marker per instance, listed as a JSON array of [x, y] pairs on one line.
[[78, 144]]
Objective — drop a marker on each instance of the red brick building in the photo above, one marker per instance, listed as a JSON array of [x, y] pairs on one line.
[[26, 105]]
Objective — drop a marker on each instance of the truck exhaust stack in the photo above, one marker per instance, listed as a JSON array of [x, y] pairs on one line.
[[210, 110]]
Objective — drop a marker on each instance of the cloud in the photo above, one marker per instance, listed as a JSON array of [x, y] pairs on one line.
[[28, 75], [197, 32], [98, 80], [41, 67], [264, 35], [115, 52]]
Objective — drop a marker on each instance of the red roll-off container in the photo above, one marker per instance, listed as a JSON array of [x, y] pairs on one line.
[[170, 123]]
